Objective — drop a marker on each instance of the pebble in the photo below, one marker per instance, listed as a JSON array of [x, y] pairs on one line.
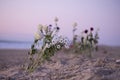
[[118, 61]]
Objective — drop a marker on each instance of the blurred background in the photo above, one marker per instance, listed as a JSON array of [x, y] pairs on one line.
[[19, 19]]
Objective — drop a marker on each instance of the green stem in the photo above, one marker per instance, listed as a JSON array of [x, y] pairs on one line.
[[37, 60]]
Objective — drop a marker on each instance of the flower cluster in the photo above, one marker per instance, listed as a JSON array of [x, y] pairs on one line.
[[51, 43], [47, 36], [88, 41]]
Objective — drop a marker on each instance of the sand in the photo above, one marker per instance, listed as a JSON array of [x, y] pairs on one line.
[[11, 57], [64, 65]]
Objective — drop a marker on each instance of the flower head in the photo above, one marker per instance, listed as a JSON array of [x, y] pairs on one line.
[[91, 29], [55, 39], [48, 45], [37, 36], [58, 46], [61, 40], [40, 26], [57, 28], [45, 28], [75, 24], [67, 46], [50, 25], [86, 31], [56, 19]]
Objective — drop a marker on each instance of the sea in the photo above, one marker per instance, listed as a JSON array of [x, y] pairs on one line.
[[15, 44]]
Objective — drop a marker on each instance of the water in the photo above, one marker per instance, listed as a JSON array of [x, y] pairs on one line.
[[15, 45]]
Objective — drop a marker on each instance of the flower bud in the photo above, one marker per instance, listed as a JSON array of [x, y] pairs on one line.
[[86, 31], [91, 29], [56, 19], [74, 25], [45, 28], [40, 27], [37, 36]]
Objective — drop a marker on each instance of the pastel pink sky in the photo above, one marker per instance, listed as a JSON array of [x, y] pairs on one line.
[[19, 18]]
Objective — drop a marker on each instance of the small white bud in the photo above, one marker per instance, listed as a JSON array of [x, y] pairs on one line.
[[40, 27], [74, 25], [56, 19], [37, 36]]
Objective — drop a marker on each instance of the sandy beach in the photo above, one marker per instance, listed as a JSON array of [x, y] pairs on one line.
[[64, 65], [12, 57]]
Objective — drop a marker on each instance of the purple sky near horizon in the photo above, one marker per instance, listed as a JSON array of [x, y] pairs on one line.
[[19, 18]]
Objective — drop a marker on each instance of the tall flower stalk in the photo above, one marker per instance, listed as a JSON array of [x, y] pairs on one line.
[[74, 36]]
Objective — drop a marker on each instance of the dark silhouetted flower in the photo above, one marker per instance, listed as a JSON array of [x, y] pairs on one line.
[[57, 28], [86, 31], [50, 25], [91, 29]]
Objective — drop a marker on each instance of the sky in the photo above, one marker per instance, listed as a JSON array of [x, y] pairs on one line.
[[19, 18]]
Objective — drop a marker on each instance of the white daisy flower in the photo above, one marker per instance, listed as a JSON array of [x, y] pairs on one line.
[[61, 40], [58, 46], [54, 42], [55, 39], [67, 46], [66, 40]]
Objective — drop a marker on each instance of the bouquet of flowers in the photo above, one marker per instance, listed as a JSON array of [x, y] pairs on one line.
[[51, 43]]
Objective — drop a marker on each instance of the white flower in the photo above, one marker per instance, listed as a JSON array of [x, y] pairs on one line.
[[40, 27], [38, 36], [56, 19], [50, 44], [61, 40], [47, 45], [58, 46], [67, 46], [45, 28], [74, 25], [66, 40], [55, 40]]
